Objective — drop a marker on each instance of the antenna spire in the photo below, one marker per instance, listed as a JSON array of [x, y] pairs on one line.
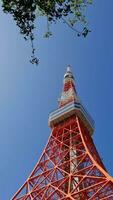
[[68, 73], [69, 68], [69, 93]]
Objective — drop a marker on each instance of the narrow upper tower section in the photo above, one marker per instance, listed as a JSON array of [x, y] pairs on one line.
[[69, 93], [70, 105]]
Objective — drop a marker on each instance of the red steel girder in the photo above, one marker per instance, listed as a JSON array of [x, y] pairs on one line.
[[69, 169]]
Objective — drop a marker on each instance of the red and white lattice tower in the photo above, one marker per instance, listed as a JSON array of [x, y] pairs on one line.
[[70, 167]]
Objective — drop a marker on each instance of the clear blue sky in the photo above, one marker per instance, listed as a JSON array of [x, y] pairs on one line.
[[28, 94]]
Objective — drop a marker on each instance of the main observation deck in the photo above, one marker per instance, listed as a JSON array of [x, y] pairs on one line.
[[68, 110]]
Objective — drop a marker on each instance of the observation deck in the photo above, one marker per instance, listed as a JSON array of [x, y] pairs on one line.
[[67, 111]]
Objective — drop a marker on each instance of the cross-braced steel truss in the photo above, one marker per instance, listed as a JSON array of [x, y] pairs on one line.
[[69, 168]]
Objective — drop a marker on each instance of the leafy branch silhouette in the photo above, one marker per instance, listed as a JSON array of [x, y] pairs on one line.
[[25, 12]]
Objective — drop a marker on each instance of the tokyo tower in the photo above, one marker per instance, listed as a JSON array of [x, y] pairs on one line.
[[70, 167]]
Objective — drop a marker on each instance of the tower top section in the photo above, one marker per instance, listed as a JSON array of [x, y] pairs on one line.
[[70, 105], [68, 73], [69, 93]]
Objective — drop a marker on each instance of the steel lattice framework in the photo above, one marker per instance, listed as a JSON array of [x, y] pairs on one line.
[[70, 167]]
